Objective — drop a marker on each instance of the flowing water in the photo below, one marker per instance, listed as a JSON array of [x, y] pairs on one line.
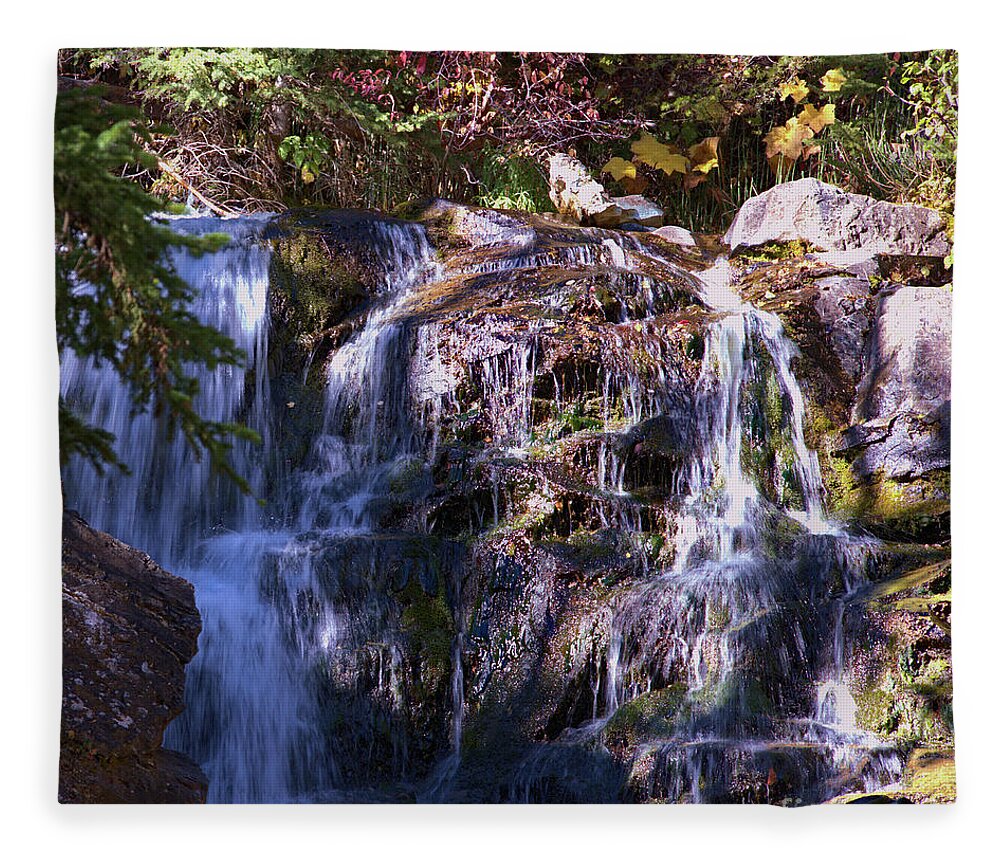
[[299, 690]]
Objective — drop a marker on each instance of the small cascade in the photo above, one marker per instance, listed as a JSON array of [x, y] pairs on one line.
[[725, 601], [367, 433], [293, 618]]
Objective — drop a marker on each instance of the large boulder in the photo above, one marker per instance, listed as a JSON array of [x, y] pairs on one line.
[[129, 628], [903, 412], [574, 192], [830, 219]]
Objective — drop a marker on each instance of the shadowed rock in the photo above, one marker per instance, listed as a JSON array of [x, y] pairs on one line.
[[129, 628]]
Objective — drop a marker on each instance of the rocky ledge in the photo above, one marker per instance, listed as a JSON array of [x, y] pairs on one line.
[[129, 628]]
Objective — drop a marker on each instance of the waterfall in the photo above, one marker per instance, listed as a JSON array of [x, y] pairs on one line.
[[272, 617], [169, 496], [311, 603], [717, 597]]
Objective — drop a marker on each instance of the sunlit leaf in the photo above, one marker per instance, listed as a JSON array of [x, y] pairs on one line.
[[619, 168], [705, 155], [796, 88], [833, 80], [786, 140], [817, 118], [660, 156]]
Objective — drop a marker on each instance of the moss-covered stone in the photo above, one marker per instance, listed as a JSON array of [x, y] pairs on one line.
[[929, 776], [917, 509], [427, 619], [648, 716]]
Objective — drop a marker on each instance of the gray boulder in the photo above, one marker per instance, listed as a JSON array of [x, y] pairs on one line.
[[576, 193], [639, 210], [834, 220], [903, 412], [843, 308]]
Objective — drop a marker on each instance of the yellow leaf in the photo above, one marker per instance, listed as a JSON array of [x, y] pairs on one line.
[[817, 119], [833, 80], [705, 155], [796, 88], [619, 168], [308, 176], [786, 140], [661, 156]]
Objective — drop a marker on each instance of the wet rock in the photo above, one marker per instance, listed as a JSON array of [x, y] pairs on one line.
[[129, 628], [834, 220]]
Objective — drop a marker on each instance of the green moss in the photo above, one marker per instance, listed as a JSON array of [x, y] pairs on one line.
[[406, 480], [930, 775], [646, 717], [910, 509], [427, 620], [876, 711], [312, 287], [772, 251]]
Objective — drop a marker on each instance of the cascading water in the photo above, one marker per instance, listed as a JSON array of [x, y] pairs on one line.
[[270, 619], [169, 496], [725, 601], [299, 690]]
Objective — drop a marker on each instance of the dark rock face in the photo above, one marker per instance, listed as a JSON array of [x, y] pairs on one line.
[[129, 628], [842, 305], [833, 220]]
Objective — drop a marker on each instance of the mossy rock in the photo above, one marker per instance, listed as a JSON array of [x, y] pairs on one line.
[[917, 509], [428, 621], [646, 717], [313, 287], [772, 251], [929, 776]]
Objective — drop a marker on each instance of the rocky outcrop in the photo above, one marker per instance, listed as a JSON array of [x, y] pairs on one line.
[[129, 628], [872, 320], [830, 219]]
